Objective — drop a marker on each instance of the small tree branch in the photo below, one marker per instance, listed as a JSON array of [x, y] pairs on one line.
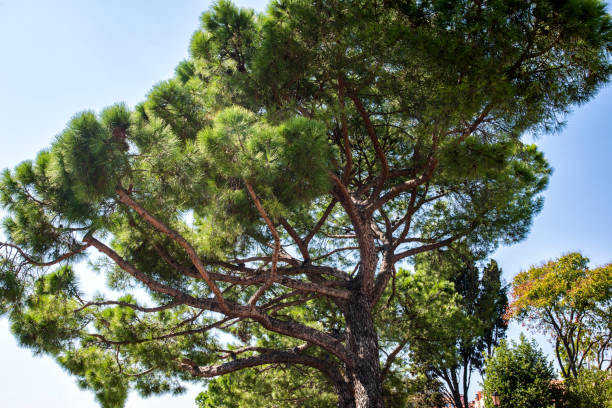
[[391, 358], [351, 248], [297, 239], [380, 154], [34, 262], [161, 337], [277, 246], [130, 305], [344, 130], [323, 289], [321, 221], [406, 185], [424, 248]]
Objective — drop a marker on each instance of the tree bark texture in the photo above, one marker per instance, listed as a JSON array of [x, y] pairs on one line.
[[362, 340]]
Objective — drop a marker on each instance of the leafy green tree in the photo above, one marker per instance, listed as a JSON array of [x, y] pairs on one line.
[[573, 305], [420, 307], [474, 331], [270, 188], [591, 389], [521, 375]]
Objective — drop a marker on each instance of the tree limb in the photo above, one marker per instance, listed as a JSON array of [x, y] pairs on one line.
[[126, 199], [272, 228]]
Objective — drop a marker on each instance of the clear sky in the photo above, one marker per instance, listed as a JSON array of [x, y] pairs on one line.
[[62, 57]]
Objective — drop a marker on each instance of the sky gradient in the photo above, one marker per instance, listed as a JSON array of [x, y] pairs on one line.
[[59, 58]]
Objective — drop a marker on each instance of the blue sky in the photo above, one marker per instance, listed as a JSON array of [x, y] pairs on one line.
[[62, 57]]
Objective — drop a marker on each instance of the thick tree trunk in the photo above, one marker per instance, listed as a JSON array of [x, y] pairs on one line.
[[362, 339], [346, 395]]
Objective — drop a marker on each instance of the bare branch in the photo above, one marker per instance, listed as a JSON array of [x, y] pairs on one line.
[[319, 224], [55, 261], [130, 305], [341, 236], [299, 242], [323, 289], [468, 130], [424, 248], [406, 185], [162, 337], [349, 206], [351, 248], [392, 357]]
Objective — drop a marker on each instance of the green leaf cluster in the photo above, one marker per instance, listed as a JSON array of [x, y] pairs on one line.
[[521, 375], [591, 389]]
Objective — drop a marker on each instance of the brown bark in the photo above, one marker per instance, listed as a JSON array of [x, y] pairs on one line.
[[345, 393], [362, 341]]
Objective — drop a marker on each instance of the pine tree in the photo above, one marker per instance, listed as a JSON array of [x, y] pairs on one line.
[[270, 189]]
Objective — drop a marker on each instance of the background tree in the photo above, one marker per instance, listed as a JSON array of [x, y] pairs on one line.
[[475, 331], [521, 375], [417, 391], [591, 389], [296, 158], [573, 305], [421, 307]]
